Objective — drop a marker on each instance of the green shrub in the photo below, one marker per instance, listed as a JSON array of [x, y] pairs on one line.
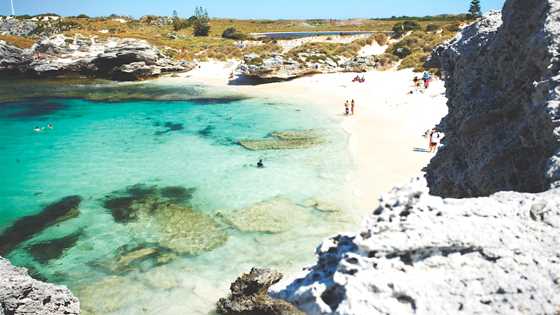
[[179, 24], [82, 16], [432, 28], [232, 33], [402, 28], [201, 24]]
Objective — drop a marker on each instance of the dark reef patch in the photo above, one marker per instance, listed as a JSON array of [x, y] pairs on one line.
[[124, 205], [24, 228], [46, 251], [170, 128], [33, 109], [177, 194], [207, 131]]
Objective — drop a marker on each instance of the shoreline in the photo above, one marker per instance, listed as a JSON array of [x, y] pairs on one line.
[[385, 139]]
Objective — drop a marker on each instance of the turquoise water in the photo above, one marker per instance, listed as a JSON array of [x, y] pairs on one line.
[[97, 148]]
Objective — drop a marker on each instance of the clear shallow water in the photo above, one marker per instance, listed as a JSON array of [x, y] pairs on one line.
[[97, 148]]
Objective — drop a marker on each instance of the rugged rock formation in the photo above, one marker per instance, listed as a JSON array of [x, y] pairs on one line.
[[21, 294], [503, 127], [16, 27], [421, 254], [117, 59], [281, 67], [249, 296]]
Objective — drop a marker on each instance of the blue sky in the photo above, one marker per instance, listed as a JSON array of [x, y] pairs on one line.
[[249, 8]]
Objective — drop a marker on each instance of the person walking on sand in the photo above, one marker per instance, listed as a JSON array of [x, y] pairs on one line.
[[353, 104]]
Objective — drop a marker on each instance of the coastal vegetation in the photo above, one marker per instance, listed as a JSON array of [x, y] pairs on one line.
[[199, 37]]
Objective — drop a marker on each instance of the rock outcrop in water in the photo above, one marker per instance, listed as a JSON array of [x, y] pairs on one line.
[[116, 59], [423, 254], [21, 294], [284, 140], [503, 127], [249, 296]]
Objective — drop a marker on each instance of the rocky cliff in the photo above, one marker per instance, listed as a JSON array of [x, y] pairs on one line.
[[21, 294], [419, 253], [503, 127], [117, 59]]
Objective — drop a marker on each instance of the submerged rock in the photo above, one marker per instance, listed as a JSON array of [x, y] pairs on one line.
[[46, 251], [284, 140], [276, 215], [249, 296], [109, 294], [163, 217], [142, 257], [502, 132], [26, 227], [20, 294]]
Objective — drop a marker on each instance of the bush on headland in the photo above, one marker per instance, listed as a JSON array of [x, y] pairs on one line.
[[232, 33]]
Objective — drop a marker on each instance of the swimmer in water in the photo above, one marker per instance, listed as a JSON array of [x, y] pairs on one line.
[[37, 129], [260, 164], [50, 126]]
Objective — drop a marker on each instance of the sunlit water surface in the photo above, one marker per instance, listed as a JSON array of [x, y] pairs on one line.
[[97, 148]]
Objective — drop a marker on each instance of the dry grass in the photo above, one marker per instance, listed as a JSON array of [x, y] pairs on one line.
[[21, 42]]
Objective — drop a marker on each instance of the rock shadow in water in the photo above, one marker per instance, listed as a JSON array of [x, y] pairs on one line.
[[132, 257], [26, 227], [45, 251]]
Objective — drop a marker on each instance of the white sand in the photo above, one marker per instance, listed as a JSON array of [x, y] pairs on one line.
[[386, 132]]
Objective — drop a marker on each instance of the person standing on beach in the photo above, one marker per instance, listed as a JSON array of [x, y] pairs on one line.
[[426, 77], [434, 139], [346, 109], [353, 104]]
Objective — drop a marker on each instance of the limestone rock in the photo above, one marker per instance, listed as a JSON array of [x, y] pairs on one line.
[[284, 140], [421, 254], [276, 215], [503, 127], [118, 59], [21, 294], [249, 296]]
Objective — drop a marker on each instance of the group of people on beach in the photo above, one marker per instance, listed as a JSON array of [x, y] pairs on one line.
[[424, 80], [40, 129], [349, 107], [359, 79]]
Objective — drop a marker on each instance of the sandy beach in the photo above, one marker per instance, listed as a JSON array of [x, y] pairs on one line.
[[386, 133]]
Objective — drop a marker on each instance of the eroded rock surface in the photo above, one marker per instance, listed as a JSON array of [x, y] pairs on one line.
[[421, 254], [503, 128], [21, 294], [118, 59], [249, 296]]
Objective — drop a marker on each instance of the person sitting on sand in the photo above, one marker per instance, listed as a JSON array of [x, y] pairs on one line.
[[260, 164], [346, 108]]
